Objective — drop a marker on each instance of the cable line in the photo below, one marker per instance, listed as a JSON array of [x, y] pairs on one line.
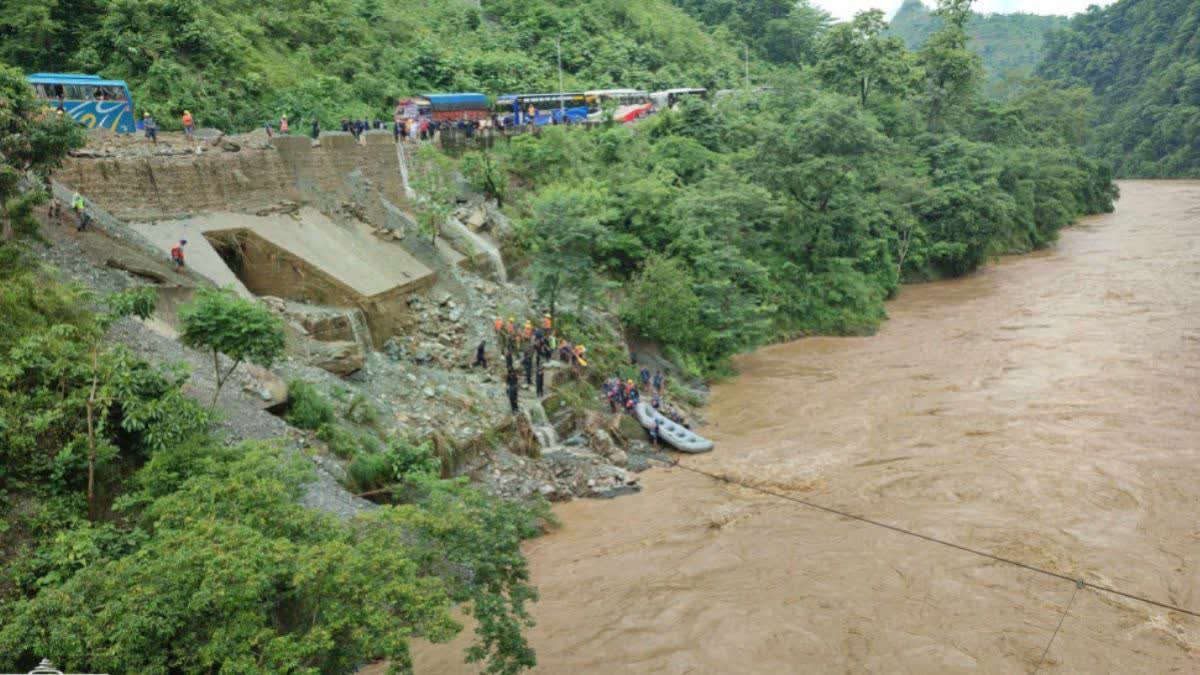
[[1080, 583]]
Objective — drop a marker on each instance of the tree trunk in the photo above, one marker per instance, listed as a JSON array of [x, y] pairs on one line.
[[91, 430]]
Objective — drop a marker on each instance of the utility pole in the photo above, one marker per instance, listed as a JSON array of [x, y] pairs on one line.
[[561, 104]]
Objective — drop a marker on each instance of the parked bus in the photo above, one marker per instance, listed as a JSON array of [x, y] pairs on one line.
[[668, 98], [559, 107], [90, 100], [631, 104]]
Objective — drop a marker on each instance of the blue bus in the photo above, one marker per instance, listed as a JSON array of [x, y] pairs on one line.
[[560, 108], [90, 100]]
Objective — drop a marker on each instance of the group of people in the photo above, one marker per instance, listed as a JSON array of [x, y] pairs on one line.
[[533, 345], [624, 396]]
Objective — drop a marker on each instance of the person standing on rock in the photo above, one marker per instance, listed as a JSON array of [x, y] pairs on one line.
[[189, 125], [541, 380], [513, 385], [283, 125], [658, 381], [316, 128], [177, 254], [481, 354], [527, 364], [645, 375]]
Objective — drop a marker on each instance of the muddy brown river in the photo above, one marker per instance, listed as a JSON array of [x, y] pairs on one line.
[[1046, 410]]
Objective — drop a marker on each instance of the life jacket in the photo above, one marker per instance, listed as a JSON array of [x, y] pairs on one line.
[[499, 325], [176, 252], [187, 120]]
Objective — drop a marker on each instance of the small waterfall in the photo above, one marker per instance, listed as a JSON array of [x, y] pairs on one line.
[[362, 332], [479, 243], [408, 191], [543, 430]]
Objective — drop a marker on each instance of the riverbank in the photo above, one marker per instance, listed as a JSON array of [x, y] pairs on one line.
[[1042, 410]]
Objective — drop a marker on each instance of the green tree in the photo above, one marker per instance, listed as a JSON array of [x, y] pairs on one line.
[[952, 72], [857, 58], [32, 144], [487, 173], [219, 322], [433, 181], [565, 234], [662, 305]]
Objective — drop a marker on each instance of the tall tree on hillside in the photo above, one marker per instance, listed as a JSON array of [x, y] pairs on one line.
[[566, 234], [857, 59], [433, 181], [33, 142], [952, 73]]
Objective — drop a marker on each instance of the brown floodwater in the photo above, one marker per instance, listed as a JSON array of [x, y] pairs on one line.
[[1046, 410]]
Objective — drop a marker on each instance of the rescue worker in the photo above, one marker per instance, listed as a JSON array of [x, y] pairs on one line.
[[78, 205], [189, 126], [547, 324], [481, 354], [177, 254], [513, 386], [580, 350], [541, 379], [658, 381], [527, 364], [283, 125], [527, 331], [645, 375]]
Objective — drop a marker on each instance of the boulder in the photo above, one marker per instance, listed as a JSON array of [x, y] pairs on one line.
[[339, 358], [630, 429]]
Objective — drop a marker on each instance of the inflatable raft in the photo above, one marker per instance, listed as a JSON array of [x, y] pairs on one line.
[[671, 433]]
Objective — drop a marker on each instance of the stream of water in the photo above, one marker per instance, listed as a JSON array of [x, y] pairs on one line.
[[1046, 410]]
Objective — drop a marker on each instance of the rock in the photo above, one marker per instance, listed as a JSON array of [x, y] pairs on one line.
[[546, 490], [456, 314], [428, 391], [576, 440], [445, 300], [394, 350], [619, 457], [423, 356], [339, 358], [630, 429], [230, 146]]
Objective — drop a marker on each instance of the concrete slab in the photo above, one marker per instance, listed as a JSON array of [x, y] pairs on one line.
[[201, 257], [351, 255]]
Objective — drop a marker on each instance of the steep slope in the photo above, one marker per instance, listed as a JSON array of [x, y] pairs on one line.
[[236, 64], [1142, 60], [1007, 43]]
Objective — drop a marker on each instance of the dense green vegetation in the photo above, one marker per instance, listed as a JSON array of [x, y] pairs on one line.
[[801, 210], [236, 64], [134, 539], [194, 556], [1141, 58], [1008, 44]]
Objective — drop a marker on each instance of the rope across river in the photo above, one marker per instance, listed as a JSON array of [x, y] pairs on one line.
[[1079, 583]]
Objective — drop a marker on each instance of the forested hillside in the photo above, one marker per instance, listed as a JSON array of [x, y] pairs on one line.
[[800, 210], [1006, 43], [1142, 60], [236, 63]]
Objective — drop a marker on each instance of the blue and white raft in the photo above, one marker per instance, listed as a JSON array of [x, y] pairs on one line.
[[675, 435]]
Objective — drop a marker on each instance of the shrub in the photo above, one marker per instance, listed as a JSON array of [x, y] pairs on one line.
[[307, 408]]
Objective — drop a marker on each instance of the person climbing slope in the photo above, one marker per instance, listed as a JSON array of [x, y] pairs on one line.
[[177, 254]]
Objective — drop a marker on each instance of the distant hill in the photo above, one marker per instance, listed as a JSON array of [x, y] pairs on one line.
[[1007, 43], [1141, 58]]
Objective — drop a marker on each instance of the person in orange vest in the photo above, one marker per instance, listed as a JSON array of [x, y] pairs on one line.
[[546, 323], [189, 126], [580, 350], [283, 125], [498, 323], [177, 254]]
